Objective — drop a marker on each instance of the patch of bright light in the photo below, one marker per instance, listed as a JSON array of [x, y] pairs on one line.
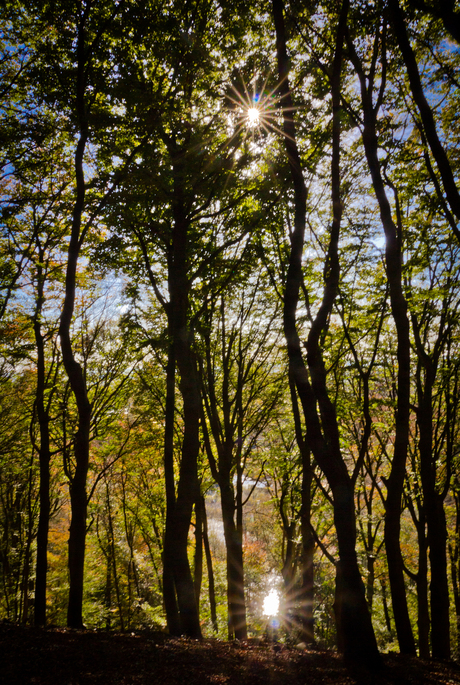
[[271, 603], [253, 116]]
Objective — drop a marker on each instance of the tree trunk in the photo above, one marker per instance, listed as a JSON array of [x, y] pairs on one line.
[[77, 484], [386, 611], [308, 549], [198, 562], [44, 466], [423, 615], [211, 584], [182, 515], [178, 520], [435, 518], [169, 592], [306, 592], [235, 575], [455, 572]]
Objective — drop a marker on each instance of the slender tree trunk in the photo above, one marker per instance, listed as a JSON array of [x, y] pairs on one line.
[[198, 570], [113, 556], [306, 594], [423, 614], [77, 531], [44, 466], [386, 611], [108, 589], [370, 584], [288, 570], [211, 583], [169, 592], [77, 485], [308, 549]]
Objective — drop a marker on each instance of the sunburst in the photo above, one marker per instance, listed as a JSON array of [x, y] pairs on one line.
[[255, 109]]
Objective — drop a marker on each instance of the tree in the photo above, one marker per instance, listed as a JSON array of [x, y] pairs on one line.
[[353, 616], [240, 390]]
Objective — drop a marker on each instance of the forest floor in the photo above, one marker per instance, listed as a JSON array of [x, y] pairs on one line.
[[69, 657]]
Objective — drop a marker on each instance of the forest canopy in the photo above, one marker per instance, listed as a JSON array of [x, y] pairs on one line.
[[229, 308]]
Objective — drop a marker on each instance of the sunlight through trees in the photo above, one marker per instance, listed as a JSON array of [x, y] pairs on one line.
[[230, 320]]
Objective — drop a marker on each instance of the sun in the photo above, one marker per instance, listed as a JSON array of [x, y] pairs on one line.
[[253, 116], [271, 603]]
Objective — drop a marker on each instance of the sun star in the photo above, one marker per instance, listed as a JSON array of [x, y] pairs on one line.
[[253, 116], [271, 603]]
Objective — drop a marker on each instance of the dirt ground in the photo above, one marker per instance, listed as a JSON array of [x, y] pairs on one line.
[[68, 657]]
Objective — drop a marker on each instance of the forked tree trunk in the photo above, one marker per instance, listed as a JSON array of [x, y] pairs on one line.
[[354, 619], [395, 483], [436, 522]]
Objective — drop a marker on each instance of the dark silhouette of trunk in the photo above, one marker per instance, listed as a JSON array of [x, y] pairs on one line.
[[423, 615], [198, 561], [179, 517], [455, 564], [113, 556], [235, 575], [41, 407], [211, 584], [308, 549], [305, 595], [77, 480], [169, 592], [395, 482], [323, 439], [421, 577], [288, 570], [426, 114], [433, 504], [386, 611]]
